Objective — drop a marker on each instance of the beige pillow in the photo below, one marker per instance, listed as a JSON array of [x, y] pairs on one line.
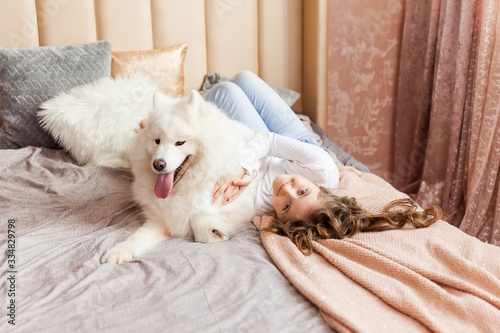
[[166, 65]]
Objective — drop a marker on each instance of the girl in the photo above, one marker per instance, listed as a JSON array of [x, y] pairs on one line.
[[299, 177]]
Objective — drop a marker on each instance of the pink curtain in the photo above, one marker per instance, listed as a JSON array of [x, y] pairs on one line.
[[447, 148]]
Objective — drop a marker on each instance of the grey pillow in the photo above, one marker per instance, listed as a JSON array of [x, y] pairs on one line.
[[30, 76], [288, 95]]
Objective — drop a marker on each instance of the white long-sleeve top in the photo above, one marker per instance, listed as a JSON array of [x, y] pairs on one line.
[[273, 155]]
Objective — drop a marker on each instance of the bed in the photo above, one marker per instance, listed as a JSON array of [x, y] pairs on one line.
[[59, 215]]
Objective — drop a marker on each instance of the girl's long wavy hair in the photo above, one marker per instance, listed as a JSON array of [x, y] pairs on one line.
[[340, 217]]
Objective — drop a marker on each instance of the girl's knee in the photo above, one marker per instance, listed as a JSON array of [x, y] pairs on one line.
[[223, 91], [226, 88], [245, 77]]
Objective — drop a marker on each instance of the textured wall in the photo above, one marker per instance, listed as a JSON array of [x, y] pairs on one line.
[[364, 38]]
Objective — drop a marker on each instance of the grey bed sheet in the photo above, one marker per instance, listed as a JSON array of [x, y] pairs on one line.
[[66, 216], [339, 156]]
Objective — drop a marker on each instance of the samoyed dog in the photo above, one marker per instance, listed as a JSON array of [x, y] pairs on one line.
[[187, 146]]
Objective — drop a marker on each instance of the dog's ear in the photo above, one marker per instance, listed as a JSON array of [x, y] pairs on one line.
[[194, 104], [195, 99], [158, 97]]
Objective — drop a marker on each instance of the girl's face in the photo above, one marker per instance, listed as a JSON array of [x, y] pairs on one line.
[[294, 196]]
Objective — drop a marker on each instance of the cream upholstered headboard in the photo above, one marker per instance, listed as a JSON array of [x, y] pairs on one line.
[[284, 41]]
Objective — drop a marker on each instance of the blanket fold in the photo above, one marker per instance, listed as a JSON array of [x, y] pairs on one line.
[[410, 280]]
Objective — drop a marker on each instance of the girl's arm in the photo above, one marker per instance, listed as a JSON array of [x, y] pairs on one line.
[[306, 159], [301, 158], [232, 187]]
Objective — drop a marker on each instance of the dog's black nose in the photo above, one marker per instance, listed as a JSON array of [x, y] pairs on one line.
[[159, 164]]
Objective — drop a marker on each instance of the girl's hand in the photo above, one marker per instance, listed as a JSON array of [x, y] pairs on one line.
[[231, 187]]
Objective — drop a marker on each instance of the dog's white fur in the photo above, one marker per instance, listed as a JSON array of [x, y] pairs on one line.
[[214, 143], [96, 122]]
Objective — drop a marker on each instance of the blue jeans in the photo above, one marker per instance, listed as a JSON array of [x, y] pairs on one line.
[[249, 100]]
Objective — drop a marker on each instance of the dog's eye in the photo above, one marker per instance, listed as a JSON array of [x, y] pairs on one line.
[[157, 141], [179, 143]]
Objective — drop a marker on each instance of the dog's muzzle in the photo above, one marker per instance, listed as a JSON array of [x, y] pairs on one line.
[[159, 165], [166, 181]]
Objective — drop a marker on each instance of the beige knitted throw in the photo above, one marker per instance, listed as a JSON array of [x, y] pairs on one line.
[[411, 280]]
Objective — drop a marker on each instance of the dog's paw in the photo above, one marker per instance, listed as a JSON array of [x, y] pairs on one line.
[[119, 254], [218, 236], [210, 236]]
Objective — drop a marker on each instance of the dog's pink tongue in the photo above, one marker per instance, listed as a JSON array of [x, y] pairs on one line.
[[164, 184]]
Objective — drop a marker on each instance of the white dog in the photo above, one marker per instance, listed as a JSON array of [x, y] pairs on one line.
[[187, 145]]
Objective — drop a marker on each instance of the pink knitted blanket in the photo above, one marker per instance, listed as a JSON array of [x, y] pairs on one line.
[[411, 280]]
